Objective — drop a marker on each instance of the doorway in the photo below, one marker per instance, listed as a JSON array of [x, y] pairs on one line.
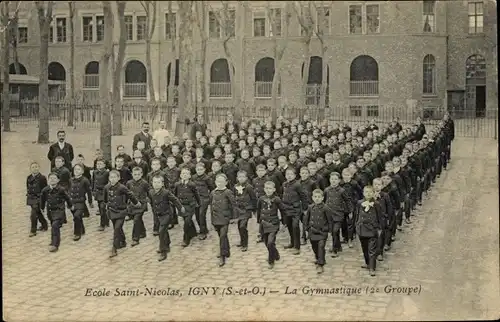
[[480, 101]]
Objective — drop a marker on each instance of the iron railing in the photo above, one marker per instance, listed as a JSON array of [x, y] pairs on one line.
[[135, 90], [220, 89], [265, 89], [363, 88], [90, 81]]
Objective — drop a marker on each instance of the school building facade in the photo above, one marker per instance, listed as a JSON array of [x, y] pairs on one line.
[[383, 57]]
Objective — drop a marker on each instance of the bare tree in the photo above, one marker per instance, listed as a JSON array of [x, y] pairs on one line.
[[44, 10], [280, 37], [105, 142], [71, 30], [14, 35], [201, 18], [150, 8], [171, 90], [117, 69], [4, 16], [323, 12]]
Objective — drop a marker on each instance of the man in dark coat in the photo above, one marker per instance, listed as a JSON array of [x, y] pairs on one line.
[[143, 136], [61, 148], [198, 125]]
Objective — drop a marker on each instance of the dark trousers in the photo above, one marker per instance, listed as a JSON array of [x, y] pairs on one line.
[[138, 229], [407, 206], [78, 226], [369, 247], [303, 235], [381, 242], [351, 224], [104, 220], [399, 216], [164, 236], [118, 234], [336, 245], [86, 212], [156, 222], [270, 241], [201, 216], [446, 156], [56, 232], [189, 228], [224, 247], [292, 223], [243, 230], [391, 227], [175, 217], [419, 189], [318, 247], [35, 217], [345, 229]]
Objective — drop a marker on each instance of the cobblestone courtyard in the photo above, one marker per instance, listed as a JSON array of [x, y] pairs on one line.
[[450, 251]]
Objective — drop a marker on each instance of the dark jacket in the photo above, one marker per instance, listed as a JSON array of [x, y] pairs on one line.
[[157, 173], [339, 202], [188, 196], [117, 197], [295, 200], [354, 190], [34, 187], [86, 172], [248, 166], [245, 199], [66, 153], [79, 188], [142, 137], [230, 170], [161, 200], [369, 221], [278, 178], [258, 185], [64, 176], [54, 199], [125, 175], [172, 175], [142, 164], [139, 189], [100, 179], [204, 185], [308, 186], [222, 206], [267, 213], [318, 221], [108, 165]]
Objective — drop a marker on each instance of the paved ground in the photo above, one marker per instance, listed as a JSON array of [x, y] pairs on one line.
[[450, 254]]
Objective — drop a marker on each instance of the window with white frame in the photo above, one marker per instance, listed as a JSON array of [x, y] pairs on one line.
[[170, 25], [58, 30], [259, 24], [372, 111], [364, 19], [214, 30], [356, 110], [429, 16], [141, 25], [99, 28], [229, 19], [20, 36], [476, 17], [87, 29], [275, 22], [307, 21], [129, 26], [222, 23], [429, 75], [323, 20]]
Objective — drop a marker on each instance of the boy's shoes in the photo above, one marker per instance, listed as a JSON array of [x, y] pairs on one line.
[[319, 269], [86, 215], [113, 253], [122, 245], [259, 239], [222, 261], [53, 249], [163, 256], [296, 252], [239, 245], [218, 255], [400, 228], [387, 248], [271, 265], [76, 238], [364, 266], [303, 241], [289, 246], [32, 234], [278, 257], [380, 258], [244, 248], [335, 255], [202, 237], [41, 228], [142, 236], [65, 221], [315, 262], [184, 244], [134, 243], [155, 233], [331, 250], [169, 227], [372, 273], [407, 221], [100, 228], [128, 219], [349, 244]]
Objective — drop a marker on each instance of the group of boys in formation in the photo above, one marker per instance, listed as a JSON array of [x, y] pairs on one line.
[[333, 179]]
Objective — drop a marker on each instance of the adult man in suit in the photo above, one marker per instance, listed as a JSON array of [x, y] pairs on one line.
[[61, 148], [198, 125], [143, 136]]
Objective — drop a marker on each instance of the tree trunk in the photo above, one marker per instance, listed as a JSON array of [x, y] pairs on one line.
[[117, 71], [14, 28], [44, 20], [71, 30], [324, 81], [149, 68], [104, 71], [5, 69], [202, 78]]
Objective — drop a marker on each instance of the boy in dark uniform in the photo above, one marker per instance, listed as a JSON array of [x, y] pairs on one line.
[[244, 163], [139, 188], [158, 154], [269, 221], [79, 188], [369, 227], [391, 189], [401, 192], [107, 163], [155, 172], [384, 201], [204, 186], [160, 199], [100, 178], [338, 201], [259, 187], [294, 203], [230, 169], [86, 170], [172, 176], [188, 163], [123, 171], [318, 223], [222, 205], [141, 162], [185, 191], [355, 194], [35, 183], [116, 197], [54, 197], [64, 176], [246, 202]]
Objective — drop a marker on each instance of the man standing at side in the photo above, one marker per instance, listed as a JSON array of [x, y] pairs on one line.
[[61, 148], [143, 136]]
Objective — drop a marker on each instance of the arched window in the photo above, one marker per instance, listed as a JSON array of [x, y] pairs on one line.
[[315, 80], [135, 79], [57, 73], [475, 85], [220, 79], [91, 76], [22, 69], [429, 75], [264, 74], [175, 75], [364, 76]]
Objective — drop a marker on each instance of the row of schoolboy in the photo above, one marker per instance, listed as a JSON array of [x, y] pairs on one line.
[[112, 198]]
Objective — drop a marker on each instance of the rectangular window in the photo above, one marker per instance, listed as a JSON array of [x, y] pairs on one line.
[[213, 25], [51, 34], [259, 24], [307, 20], [87, 29], [275, 23], [429, 16], [372, 111], [129, 26], [170, 25], [355, 19], [372, 19], [61, 29], [355, 110], [23, 35], [476, 17], [141, 22], [323, 21], [100, 28], [230, 23]]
